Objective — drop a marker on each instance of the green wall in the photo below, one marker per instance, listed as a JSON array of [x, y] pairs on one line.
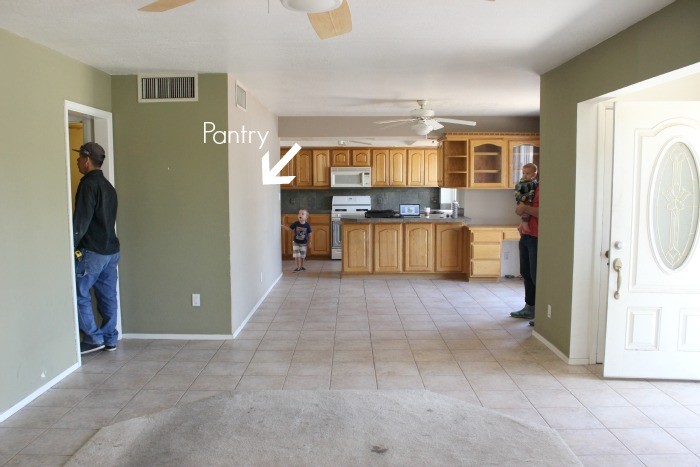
[[37, 318], [173, 211], [665, 41]]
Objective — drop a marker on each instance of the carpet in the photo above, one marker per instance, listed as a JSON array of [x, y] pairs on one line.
[[325, 428]]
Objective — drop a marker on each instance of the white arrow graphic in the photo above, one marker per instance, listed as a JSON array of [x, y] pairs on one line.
[[269, 176]]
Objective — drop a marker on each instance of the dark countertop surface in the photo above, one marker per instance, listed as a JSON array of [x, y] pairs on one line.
[[423, 218]]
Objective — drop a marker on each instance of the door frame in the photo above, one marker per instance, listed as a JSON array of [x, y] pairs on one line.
[[589, 205], [103, 135]]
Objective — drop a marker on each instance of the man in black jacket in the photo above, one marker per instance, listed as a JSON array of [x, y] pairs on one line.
[[97, 251]]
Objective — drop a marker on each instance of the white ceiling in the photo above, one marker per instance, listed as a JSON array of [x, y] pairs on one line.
[[467, 57]]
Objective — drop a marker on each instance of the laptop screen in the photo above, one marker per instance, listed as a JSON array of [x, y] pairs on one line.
[[409, 210]]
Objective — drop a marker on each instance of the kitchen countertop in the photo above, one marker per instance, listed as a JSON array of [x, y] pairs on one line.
[[423, 218]]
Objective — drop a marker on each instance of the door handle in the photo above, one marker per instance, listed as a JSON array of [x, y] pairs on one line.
[[617, 266]]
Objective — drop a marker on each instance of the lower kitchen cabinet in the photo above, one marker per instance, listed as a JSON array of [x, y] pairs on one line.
[[357, 253], [388, 251], [321, 235], [418, 247], [485, 252], [449, 241], [287, 236]]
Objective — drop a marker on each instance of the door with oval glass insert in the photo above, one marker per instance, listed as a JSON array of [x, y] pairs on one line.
[[653, 318]]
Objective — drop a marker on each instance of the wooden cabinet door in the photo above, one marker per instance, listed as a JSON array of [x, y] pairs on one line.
[[485, 252], [388, 251], [287, 236], [380, 167], [488, 163], [321, 240], [287, 170], [521, 152], [397, 167], [322, 167], [448, 248], [360, 158], [304, 168], [418, 247], [340, 158], [357, 248], [416, 167], [433, 168]]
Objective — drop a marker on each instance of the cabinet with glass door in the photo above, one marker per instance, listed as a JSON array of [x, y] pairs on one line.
[[521, 152]]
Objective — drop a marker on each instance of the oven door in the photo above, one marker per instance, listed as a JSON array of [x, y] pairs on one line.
[[336, 239]]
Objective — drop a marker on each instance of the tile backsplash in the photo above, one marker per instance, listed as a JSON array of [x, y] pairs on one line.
[[382, 198]]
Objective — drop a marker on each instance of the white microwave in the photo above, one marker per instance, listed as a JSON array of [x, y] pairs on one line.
[[351, 177]]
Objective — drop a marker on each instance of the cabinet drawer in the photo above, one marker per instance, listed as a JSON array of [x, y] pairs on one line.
[[511, 234], [486, 251], [486, 236], [319, 219], [486, 268]]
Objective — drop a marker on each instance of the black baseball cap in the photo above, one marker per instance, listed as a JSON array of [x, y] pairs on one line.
[[92, 150]]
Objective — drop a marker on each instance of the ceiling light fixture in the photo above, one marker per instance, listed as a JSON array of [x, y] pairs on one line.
[[421, 128], [311, 6]]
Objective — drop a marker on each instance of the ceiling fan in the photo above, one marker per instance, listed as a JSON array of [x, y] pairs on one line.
[[425, 121], [329, 18]]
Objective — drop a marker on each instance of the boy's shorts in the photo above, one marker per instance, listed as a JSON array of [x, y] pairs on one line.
[[299, 250]]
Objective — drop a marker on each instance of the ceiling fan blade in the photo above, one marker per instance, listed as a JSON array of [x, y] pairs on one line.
[[332, 23], [455, 121], [364, 143], [396, 121], [434, 124], [160, 6]]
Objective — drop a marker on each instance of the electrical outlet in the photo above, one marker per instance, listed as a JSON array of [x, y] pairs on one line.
[[196, 299], [549, 311]]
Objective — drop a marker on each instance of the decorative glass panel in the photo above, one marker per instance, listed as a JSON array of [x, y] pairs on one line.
[[674, 209]]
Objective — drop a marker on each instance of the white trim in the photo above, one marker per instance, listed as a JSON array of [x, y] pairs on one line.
[[27, 400], [558, 353], [257, 305]]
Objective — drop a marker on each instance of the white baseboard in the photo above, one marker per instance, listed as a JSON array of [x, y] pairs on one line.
[[558, 353], [24, 402], [255, 308]]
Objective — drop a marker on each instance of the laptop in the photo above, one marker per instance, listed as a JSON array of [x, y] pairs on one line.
[[409, 210]]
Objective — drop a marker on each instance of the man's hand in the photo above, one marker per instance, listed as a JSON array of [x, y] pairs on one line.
[[521, 209]]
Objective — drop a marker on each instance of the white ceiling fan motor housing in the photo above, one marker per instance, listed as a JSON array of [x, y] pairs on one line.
[[311, 6]]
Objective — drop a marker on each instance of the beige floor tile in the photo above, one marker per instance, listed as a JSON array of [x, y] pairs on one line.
[[116, 398], [272, 356], [391, 368], [87, 418], [13, 440], [233, 356], [670, 460], [439, 368], [22, 460], [195, 395], [611, 460], [646, 397], [599, 397], [393, 355], [390, 344], [309, 369], [569, 418], [542, 398], [359, 382], [622, 417], [649, 441], [503, 399], [672, 417], [353, 369], [156, 398], [364, 344], [688, 437], [241, 344], [35, 417], [421, 355], [527, 415], [253, 382], [59, 441], [307, 382], [545, 381], [463, 395], [82, 381], [215, 383], [362, 356], [60, 398], [179, 367], [445, 382], [593, 442], [277, 345], [267, 369], [391, 381]]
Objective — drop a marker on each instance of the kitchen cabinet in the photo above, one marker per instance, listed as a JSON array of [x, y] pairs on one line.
[[449, 240], [287, 170], [288, 236], [357, 253], [455, 163], [485, 255], [416, 167], [397, 167], [388, 251], [321, 168], [418, 247], [433, 168], [303, 169], [340, 158], [360, 158], [380, 167], [488, 163], [321, 235], [521, 152]]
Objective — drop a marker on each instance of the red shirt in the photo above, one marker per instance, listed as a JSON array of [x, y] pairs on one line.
[[533, 223]]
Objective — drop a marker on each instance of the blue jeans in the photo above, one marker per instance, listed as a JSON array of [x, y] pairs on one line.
[[98, 272], [528, 266]]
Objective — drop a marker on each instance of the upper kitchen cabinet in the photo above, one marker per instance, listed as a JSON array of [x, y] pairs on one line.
[[416, 167], [397, 167], [360, 158], [287, 170], [321, 168], [340, 158], [455, 154], [303, 167], [521, 152], [380, 167], [389, 167], [433, 168], [488, 163]]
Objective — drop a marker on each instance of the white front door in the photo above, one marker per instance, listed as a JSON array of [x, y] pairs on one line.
[[653, 318]]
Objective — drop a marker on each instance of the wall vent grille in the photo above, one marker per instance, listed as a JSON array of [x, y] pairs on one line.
[[167, 88], [241, 97]]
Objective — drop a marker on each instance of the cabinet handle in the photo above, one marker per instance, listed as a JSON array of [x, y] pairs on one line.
[[617, 266]]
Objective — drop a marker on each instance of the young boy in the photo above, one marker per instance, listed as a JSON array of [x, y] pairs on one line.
[[525, 192], [302, 238]]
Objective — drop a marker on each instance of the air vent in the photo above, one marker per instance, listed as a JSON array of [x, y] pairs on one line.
[[167, 88], [241, 97]]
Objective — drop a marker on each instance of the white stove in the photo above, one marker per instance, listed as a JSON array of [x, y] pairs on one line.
[[345, 206]]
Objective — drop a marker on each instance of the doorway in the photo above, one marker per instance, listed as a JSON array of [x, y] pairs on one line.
[[83, 124]]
